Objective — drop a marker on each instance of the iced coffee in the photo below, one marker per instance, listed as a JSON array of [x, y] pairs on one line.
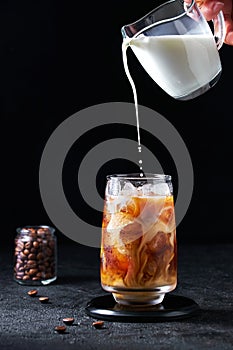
[[138, 248]]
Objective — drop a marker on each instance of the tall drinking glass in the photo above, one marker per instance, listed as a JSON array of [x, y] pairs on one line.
[[138, 244]]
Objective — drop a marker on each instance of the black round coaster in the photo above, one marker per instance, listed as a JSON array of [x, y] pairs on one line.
[[173, 307]]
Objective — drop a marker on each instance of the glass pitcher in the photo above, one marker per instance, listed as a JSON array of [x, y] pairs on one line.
[[177, 48]]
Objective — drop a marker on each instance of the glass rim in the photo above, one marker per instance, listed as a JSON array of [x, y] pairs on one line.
[[26, 229], [136, 176], [188, 7]]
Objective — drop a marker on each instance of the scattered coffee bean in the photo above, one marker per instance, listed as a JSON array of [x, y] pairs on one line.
[[60, 329], [98, 324], [43, 300], [68, 320], [32, 292]]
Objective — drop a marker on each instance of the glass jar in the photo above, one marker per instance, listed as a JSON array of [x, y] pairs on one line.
[[35, 256]]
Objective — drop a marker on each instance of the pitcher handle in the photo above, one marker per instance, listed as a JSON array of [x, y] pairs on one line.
[[219, 29]]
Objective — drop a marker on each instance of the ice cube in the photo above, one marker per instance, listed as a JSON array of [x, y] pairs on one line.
[[148, 190], [159, 189], [112, 237], [128, 189], [162, 189], [119, 220], [114, 187], [116, 204]]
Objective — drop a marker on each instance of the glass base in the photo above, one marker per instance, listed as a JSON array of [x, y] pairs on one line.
[[139, 298], [200, 90], [36, 283]]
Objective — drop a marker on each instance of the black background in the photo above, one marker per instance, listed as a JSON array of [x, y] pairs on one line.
[[58, 57]]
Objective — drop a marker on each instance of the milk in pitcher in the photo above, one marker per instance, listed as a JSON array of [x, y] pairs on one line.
[[179, 64]]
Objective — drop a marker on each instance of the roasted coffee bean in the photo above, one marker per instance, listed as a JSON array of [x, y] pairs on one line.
[[22, 256], [20, 274], [28, 245], [51, 244], [41, 231], [98, 324], [41, 267], [68, 320], [60, 329], [32, 256], [17, 250], [44, 300], [40, 256], [31, 262], [20, 245], [35, 278], [49, 252], [26, 277], [32, 292], [17, 266], [35, 244], [31, 230], [33, 271]]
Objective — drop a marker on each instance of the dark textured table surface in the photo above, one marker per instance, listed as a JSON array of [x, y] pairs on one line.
[[205, 274]]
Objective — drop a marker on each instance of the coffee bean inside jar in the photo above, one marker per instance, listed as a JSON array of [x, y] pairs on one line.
[[35, 255]]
